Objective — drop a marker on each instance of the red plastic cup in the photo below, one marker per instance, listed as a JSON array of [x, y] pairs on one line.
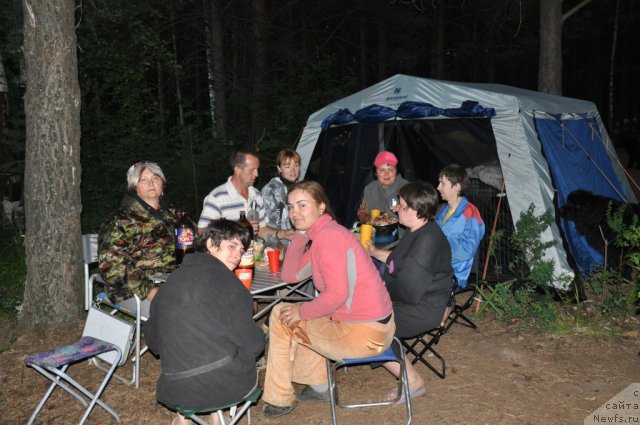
[[245, 276], [274, 260]]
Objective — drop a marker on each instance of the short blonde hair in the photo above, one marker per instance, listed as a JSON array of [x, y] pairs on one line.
[[134, 172]]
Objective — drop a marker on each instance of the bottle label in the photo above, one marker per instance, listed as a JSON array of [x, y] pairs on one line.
[[184, 238], [247, 259]]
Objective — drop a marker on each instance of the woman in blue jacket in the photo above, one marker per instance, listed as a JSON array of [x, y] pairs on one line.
[[459, 220]]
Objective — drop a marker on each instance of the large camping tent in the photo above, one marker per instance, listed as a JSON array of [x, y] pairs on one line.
[[547, 146]]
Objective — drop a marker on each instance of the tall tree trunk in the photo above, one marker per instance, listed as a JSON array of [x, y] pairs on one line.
[[437, 70], [215, 62], [52, 168], [550, 62], [176, 77], [4, 89], [612, 63], [363, 53], [382, 52], [162, 125], [260, 72]]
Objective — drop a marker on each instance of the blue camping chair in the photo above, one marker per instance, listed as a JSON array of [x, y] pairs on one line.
[[388, 356]]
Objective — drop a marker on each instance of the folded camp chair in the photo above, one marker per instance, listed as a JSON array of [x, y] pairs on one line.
[[388, 356], [131, 308], [424, 343], [104, 336], [237, 409], [90, 257]]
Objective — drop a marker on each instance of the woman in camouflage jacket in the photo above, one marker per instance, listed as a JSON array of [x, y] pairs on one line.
[[138, 240]]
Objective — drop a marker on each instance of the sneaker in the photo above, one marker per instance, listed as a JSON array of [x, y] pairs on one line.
[[309, 394], [271, 411]]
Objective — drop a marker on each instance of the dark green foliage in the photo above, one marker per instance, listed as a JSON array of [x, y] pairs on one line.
[[529, 264], [13, 271], [530, 298], [145, 89], [618, 289]]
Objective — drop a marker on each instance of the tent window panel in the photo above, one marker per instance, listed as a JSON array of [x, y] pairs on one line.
[[341, 160], [485, 198], [428, 145]]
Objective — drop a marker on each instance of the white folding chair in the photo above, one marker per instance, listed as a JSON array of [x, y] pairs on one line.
[[131, 307], [104, 336], [89, 257]]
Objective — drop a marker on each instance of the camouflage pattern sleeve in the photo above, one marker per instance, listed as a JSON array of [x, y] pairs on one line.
[[114, 259], [132, 247]]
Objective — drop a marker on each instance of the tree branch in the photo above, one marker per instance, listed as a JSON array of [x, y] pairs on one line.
[[575, 9]]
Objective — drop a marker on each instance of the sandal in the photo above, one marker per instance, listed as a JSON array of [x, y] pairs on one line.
[[393, 394]]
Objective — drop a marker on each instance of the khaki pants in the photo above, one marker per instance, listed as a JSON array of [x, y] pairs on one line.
[[292, 361]]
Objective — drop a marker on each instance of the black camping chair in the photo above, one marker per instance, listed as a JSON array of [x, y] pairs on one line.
[[424, 343], [468, 295]]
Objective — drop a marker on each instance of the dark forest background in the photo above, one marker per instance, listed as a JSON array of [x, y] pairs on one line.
[[184, 82]]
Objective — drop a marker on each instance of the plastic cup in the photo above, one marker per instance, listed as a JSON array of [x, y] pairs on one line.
[[374, 214], [274, 260], [366, 232], [245, 276]]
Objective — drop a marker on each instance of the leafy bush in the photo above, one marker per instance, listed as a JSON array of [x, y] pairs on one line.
[[531, 297], [529, 264]]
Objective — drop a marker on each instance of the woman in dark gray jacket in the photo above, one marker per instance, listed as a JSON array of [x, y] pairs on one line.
[[418, 274], [201, 326]]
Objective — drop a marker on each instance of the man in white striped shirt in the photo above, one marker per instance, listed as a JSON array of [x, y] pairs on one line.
[[236, 194]]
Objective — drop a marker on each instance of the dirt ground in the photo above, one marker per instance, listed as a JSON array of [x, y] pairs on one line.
[[497, 374]]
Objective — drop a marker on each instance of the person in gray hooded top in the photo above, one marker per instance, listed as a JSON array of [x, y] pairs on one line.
[[275, 194], [378, 193]]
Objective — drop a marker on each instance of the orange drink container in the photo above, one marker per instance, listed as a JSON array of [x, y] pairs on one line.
[[366, 231], [245, 276]]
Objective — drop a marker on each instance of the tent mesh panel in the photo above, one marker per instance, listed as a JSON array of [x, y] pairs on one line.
[[485, 198]]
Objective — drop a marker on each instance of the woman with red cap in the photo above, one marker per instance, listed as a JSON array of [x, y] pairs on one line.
[[378, 193]]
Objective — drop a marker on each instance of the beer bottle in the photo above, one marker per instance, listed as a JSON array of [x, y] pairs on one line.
[[247, 261], [244, 222], [185, 237]]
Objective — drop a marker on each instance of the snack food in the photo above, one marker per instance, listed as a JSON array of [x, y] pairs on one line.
[[383, 220]]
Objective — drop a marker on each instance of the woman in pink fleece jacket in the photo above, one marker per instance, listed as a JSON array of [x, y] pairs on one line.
[[351, 317]]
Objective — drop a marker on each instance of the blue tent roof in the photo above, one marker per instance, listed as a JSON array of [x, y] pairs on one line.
[[378, 113]]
